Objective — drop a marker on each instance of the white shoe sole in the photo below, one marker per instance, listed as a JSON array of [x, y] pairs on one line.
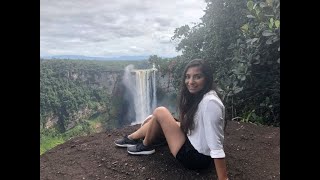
[[124, 145], [142, 152]]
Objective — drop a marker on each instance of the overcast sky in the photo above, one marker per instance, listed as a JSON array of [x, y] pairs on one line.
[[114, 27]]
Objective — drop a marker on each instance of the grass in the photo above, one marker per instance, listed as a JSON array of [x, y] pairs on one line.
[[48, 143], [51, 138]]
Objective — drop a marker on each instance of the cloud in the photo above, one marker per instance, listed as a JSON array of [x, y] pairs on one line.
[[114, 27]]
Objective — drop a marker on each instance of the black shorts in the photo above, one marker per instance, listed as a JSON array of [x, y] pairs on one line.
[[191, 158]]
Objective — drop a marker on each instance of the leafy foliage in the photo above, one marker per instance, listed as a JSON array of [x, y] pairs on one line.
[[241, 39], [70, 86], [62, 94], [257, 62], [50, 137]]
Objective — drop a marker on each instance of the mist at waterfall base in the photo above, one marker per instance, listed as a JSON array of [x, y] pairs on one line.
[[141, 88]]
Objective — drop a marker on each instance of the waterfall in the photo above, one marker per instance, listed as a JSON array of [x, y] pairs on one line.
[[142, 84]]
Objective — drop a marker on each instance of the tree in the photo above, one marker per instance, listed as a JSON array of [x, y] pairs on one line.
[[241, 41]]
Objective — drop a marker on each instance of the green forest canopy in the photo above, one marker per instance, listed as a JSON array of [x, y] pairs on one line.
[[241, 40]]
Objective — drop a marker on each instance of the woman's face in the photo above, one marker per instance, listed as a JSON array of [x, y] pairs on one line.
[[195, 79]]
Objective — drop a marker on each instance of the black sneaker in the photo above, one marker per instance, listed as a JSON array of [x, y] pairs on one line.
[[126, 142], [141, 149]]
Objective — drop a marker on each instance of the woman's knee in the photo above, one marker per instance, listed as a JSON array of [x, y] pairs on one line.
[[161, 113], [160, 110]]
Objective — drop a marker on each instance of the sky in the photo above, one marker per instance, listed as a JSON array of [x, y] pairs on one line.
[[111, 28]]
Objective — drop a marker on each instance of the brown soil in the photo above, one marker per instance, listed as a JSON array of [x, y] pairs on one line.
[[252, 153]]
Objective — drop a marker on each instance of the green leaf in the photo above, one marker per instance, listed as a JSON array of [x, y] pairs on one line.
[[269, 2], [267, 100], [269, 41], [237, 90], [269, 15], [267, 33], [257, 11], [235, 71], [257, 61], [238, 41], [242, 77], [277, 23], [254, 116], [271, 20], [263, 4], [245, 27], [250, 5], [254, 6], [275, 39], [272, 40], [254, 40], [249, 58]]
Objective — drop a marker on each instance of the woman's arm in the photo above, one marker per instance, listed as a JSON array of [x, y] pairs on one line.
[[221, 168]]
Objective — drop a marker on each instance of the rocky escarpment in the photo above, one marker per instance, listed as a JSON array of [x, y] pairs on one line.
[[112, 84]]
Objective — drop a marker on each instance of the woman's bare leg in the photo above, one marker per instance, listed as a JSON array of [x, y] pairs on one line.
[[163, 120], [141, 132]]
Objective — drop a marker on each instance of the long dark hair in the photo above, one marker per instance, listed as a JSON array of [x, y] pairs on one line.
[[188, 103]]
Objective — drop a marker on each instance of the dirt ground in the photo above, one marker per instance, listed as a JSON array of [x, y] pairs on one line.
[[252, 153]]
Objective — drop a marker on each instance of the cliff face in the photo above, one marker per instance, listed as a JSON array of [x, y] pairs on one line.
[[111, 79], [112, 84], [107, 79]]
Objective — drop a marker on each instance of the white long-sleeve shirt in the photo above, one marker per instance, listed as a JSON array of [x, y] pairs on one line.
[[208, 134]]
